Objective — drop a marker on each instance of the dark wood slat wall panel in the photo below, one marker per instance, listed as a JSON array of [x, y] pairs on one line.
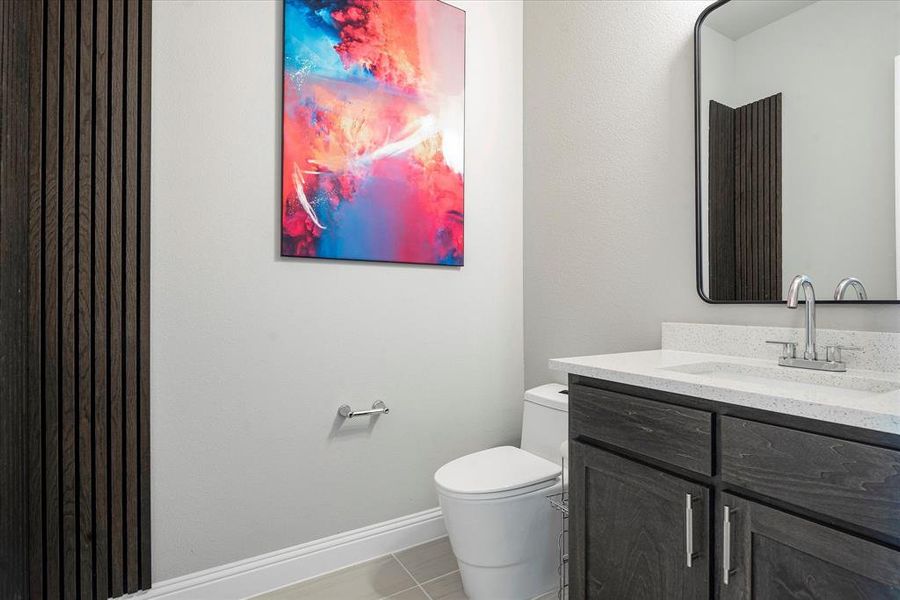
[[745, 201], [721, 201], [74, 298], [14, 151]]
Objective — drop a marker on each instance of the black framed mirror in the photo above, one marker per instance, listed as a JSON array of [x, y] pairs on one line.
[[797, 149]]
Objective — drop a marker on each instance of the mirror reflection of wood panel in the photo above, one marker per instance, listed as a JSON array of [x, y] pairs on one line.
[[745, 201]]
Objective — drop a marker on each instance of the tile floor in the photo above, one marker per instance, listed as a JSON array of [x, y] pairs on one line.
[[425, 572]]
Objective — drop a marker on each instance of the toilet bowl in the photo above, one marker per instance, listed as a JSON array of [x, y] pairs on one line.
[[501, 526]]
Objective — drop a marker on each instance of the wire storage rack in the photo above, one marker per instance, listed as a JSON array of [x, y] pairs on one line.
[[560, 502]]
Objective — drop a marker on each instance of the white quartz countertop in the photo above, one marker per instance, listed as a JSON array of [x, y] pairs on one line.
[[860, 398]]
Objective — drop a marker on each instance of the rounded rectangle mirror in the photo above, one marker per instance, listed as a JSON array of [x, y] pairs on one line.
[[797, 133]]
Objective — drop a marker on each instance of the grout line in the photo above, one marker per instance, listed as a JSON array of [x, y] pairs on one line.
[[411, 576], [395, 594], [402, 566], [440, 577]]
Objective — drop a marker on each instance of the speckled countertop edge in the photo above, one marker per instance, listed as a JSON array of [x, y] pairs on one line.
[[649, 369]]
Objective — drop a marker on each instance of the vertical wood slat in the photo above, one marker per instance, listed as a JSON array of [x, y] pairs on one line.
[[760, 221], [755, 219], [751, 204], [764, 229], [754, 201], [739, 201], [85, 329], [74, 239], [740, 184], [129, 282], [715, 201], [765, 179], [101, 388], [36, 522], [14, 271], [759, 200], [748, 203], [52, 506], [721, 201], [114, 296], [777, 242], [68, 237], [742, 217]]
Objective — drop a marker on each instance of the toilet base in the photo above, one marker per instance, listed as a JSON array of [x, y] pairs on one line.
[[511, 582], [506, 547]]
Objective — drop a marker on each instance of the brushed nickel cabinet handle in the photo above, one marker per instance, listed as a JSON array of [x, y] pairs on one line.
[[689, 553], [726, 544]]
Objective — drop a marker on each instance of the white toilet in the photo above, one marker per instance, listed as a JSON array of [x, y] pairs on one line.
[[501, 526]]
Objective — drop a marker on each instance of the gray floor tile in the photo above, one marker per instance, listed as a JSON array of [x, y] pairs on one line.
[[371, 580], [429, 560], [448, 587], [415, 593]]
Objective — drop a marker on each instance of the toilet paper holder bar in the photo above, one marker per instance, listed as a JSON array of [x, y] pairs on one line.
[[378, 408]]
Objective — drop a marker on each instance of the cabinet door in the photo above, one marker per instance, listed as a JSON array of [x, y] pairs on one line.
[[771, 555], [635, 532]]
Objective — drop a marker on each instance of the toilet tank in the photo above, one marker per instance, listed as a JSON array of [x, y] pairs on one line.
[[545, 420]]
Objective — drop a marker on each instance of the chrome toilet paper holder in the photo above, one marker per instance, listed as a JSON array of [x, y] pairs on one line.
[[378, 408]]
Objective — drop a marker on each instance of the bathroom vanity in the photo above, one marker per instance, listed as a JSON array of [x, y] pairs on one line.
[[705, 475], [719, 466]]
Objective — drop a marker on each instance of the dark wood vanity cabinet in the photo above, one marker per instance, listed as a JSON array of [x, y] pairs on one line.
[[635, 526], [673, 497], [775, 555]]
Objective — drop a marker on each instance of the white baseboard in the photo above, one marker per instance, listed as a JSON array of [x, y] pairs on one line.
[[251, 576]]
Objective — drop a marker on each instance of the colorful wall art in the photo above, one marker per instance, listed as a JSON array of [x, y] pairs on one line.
[[373, 130]]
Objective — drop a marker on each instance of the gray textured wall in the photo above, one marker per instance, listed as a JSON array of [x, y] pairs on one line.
[[252, 354]]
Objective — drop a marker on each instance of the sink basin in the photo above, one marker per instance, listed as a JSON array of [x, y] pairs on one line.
[[788, 378]]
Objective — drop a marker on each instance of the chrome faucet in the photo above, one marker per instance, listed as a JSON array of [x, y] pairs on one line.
[[853, 282], [833, 360], [809, 293]]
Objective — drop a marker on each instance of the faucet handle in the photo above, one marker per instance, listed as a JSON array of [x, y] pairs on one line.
[[833, 353], [788, 349]]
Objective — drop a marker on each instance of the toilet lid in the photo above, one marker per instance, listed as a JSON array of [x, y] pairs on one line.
[[495, 470]]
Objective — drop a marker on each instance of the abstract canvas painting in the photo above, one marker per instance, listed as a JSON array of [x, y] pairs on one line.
[[372, 139]]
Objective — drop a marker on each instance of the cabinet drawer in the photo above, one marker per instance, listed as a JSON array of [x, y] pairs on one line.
[[854, 482], [667, 432]]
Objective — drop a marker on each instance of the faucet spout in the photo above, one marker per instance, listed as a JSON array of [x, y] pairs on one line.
[[848, 282], [804, 283]]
